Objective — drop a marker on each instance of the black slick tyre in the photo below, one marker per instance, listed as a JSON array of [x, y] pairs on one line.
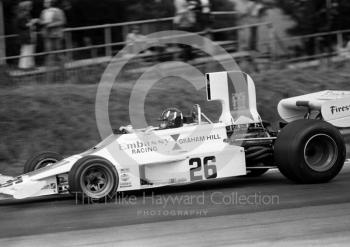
[[309, 151], [93, 178], [40, 160]]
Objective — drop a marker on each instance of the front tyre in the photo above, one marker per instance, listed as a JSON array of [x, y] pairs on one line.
[[40, 160], [310, 151], [93, 178]]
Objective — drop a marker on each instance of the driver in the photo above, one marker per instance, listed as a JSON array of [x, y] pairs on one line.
[[171, 118]]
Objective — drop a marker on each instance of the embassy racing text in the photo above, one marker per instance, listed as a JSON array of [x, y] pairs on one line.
[[138, 147]]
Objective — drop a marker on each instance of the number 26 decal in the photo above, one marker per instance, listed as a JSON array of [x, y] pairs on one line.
[[208, 170]]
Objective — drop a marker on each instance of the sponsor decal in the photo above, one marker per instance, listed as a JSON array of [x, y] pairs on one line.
[[175, 138], [167, 181], [51, 186], [124, 184], [339, 109], [181, 180], [239, 101], [46, 187], [18, 180], [199, 139], [124, 177], [144, 150], [11, 182], [334, 95], [63, 179], [139, 147], [194, 139]]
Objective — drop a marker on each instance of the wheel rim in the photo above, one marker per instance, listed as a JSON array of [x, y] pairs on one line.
[[44, 162], [320, 152], [96, 181]]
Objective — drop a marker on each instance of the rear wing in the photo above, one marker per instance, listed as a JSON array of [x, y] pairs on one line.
[[332, 106], [236, 92]]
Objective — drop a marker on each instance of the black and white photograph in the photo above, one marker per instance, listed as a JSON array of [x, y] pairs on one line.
[[174, 123]]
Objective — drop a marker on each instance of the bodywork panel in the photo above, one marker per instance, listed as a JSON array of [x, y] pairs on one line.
[[145, 159], [333, 105]]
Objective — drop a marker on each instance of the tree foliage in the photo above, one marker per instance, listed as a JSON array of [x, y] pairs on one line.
[[92, 12], [312, 16]]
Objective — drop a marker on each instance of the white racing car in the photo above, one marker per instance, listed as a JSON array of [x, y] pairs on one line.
[[308, 148]]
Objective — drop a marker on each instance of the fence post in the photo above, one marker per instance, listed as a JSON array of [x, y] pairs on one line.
[[2, 36], [69, 44], [272, 41], [108, 41], [340, 41], [125, 31]]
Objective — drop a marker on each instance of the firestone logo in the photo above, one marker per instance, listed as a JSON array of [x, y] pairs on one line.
[[339, 109]]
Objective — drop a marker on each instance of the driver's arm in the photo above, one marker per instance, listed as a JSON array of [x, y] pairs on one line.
[[150, 128], [126, 129]]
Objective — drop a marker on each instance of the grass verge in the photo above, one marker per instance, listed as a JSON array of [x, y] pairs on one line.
[[62, 117]]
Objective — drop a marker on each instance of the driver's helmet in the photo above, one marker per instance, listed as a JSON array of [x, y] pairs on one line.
[[171, 118]]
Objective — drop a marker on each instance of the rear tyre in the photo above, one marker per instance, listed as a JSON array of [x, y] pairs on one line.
[[93, 178], [40, 160], [309, 151]]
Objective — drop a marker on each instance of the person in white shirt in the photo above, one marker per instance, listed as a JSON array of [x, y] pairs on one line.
[[52, 20], [184, 17], [135, 40], [25, 27], [205, 15]]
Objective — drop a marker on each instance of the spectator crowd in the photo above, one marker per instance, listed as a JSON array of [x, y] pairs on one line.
[[50, 24], [190, 15]]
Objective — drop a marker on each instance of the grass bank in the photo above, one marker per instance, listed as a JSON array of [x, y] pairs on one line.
[[62, 117]]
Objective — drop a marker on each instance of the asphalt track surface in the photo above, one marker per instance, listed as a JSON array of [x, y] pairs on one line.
[[244, 211]]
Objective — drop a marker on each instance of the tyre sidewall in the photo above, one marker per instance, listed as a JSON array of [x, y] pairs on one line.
[[75, 176], [306, 173], [32, 162], [295, 166]]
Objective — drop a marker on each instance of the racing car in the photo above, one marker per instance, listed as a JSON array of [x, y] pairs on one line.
[[308, 147]]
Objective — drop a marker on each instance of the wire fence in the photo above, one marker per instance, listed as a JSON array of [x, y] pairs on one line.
[[108, 35], [97, 53], [274, 49]]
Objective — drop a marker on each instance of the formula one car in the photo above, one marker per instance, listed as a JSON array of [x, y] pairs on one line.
[[308, 147]]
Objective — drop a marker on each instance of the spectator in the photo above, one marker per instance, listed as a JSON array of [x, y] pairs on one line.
[[185, 18], [135, 41], [88, 42], [205, 16], [25, 26], [195, 6], [256, 11], [345, 51], [53, 20]]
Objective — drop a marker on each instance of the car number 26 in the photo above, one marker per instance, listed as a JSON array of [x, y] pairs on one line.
[[202, 169]]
